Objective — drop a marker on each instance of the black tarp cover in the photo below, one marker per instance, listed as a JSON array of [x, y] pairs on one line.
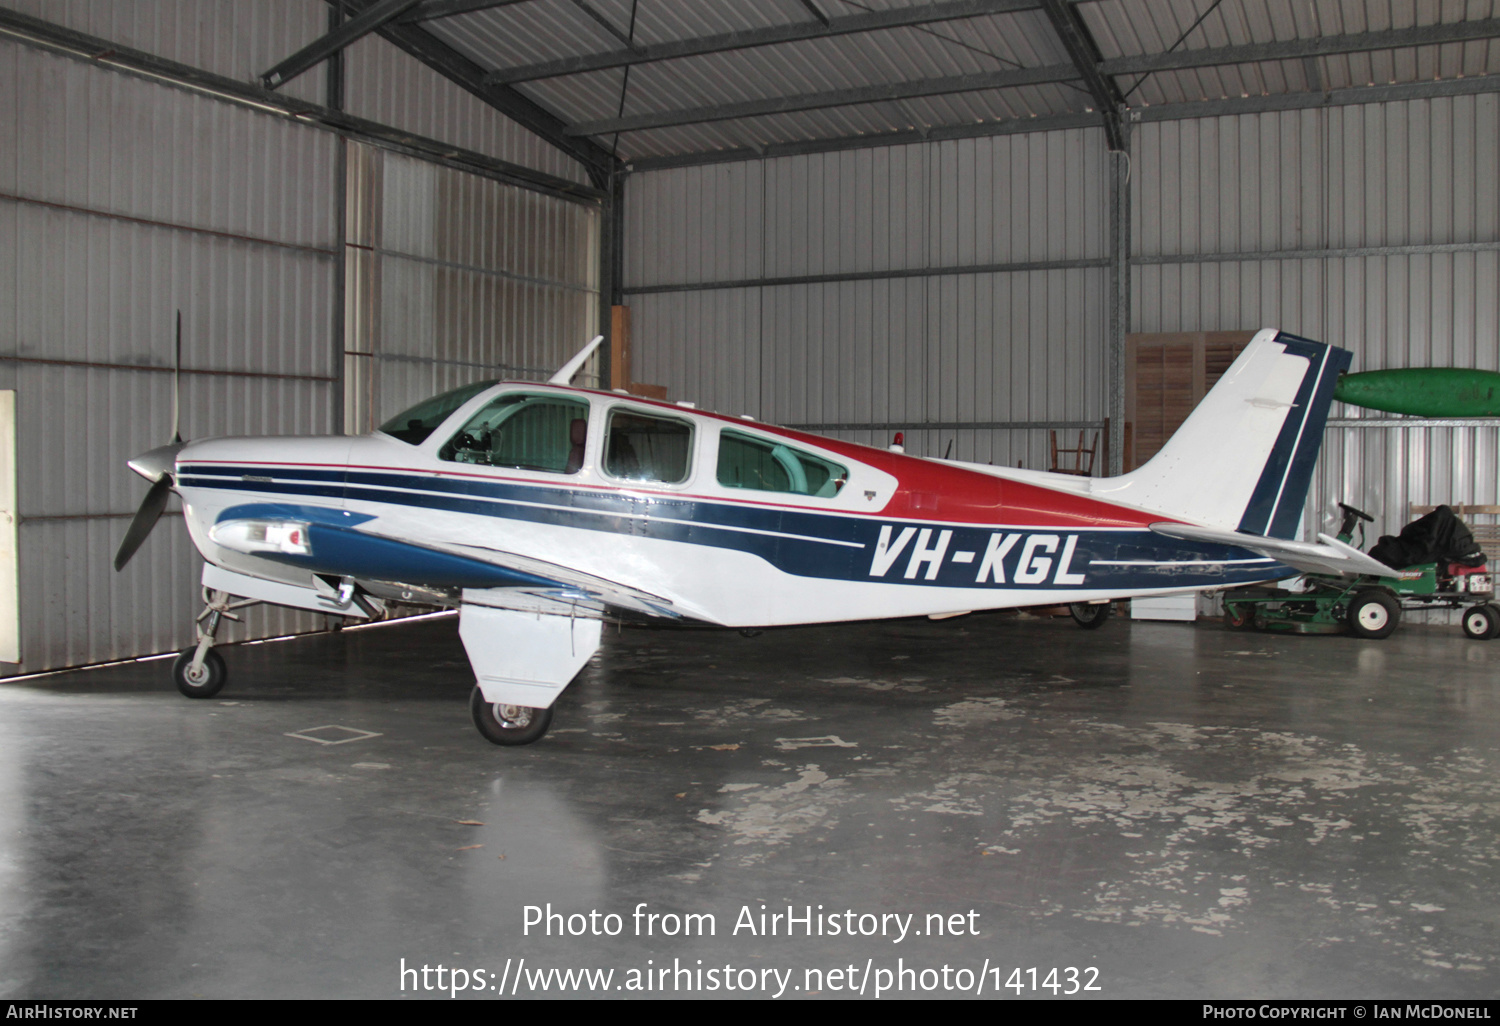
[[1438, 537]]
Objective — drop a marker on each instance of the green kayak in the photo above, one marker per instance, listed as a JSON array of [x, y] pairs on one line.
[[1424, 391]]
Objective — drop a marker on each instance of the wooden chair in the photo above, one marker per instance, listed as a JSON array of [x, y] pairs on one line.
[[1081, 458]]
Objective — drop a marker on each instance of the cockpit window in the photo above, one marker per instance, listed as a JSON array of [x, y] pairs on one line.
[[524, 431], [416, 424], [766, 466], [642, 447]]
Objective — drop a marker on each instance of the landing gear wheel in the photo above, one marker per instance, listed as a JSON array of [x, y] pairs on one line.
[[1373, 614], [508, 724], [206, 681], [1482, 622], [1238, 617], [1088, 615]]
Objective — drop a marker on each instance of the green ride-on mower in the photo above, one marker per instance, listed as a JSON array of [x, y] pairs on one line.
[[1369, 606]]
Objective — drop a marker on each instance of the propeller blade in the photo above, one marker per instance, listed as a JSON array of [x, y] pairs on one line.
[[145, 519]]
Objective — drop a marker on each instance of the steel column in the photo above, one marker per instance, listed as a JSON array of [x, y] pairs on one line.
[[1119, 292]]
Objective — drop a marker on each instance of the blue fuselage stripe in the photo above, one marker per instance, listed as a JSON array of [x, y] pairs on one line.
[[816, 545]]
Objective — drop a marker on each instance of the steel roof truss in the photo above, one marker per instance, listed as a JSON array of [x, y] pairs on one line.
[[746, 39], [831, 98], [1422, 35], [356, 28], [1085, 55]]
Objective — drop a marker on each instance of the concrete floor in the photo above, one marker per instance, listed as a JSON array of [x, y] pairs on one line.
[[1185, 811]]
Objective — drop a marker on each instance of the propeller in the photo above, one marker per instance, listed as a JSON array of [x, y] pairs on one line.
[[156, 466], [145, 519]]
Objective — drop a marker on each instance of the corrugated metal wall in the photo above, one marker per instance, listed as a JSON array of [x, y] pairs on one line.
[[123, 200], [1411, 188], [238, 39], [1374, 228], [241, 39], [454, 278], [896, 334]]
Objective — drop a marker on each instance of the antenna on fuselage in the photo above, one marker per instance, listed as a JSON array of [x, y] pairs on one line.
[[177, 384], [564, 375]]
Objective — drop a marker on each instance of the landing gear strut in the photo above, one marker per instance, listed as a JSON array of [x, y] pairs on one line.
[[199, 672]]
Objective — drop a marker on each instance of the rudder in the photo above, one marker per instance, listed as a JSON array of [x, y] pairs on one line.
[[1244, 458]]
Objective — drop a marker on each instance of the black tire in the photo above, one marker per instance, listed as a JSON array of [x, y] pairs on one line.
[[508, 724], [206, 684], [1373, 614], [1239, 617], [1089, 615], [1482, 622]]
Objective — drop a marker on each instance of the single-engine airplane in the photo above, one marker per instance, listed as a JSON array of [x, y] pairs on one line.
[[537, 510]]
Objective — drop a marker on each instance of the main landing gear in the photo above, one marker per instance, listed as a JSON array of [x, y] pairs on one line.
[[1089, 615], [199, 672], [503, 724]]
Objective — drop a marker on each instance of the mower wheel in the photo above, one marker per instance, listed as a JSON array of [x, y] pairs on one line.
[[1373, 614], [1239, 617], [1482, 622]]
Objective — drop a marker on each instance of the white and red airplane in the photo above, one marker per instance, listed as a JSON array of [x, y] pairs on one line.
[[538, 510]]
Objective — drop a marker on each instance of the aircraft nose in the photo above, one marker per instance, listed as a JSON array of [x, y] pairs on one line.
[[157, 463]]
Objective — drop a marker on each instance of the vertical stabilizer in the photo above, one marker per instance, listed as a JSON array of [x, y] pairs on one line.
[[1243, 460]]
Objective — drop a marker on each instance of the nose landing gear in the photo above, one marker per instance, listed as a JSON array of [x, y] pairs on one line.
[[199, 672]]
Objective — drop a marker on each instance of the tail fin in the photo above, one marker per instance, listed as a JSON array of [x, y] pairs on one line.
[[1243, 460]]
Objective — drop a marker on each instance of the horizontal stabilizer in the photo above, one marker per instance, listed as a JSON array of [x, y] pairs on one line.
[[1328, 555]]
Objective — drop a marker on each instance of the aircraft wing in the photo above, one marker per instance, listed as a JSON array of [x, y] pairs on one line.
[[1327, 555], [571, 584]]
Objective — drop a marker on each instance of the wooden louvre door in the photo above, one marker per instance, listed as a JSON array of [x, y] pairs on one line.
[[1165, 377]]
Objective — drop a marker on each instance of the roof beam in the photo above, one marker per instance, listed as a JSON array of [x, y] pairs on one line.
[[951, 10], [123, 59], [1059, 122], [451, 64], [430, 9], [815, 11], [1084, 53], [831, 98], [354, 29], [603, 22], [1423, 35], [907, 137], [1307, 101]]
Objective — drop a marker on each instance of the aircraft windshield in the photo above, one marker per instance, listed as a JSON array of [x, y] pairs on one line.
[[529, 432], [414, 425]]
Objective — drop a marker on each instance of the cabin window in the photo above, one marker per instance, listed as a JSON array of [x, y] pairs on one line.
[[525, 432], [763, 465], [643, 447], [414, 425]]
